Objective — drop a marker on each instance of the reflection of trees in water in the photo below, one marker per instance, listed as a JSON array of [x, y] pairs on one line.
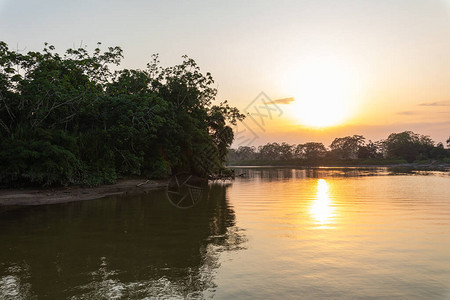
[[271, 174], [13, 281], [133, 247]]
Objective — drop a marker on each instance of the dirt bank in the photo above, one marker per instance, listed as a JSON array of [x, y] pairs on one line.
[[26, 196]]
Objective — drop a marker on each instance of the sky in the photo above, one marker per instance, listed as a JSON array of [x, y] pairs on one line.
[[326, 68]]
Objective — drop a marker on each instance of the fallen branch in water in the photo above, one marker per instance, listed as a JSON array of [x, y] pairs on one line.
[[142, 183]]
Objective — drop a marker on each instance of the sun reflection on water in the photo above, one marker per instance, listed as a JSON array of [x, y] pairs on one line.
[[321, 208]]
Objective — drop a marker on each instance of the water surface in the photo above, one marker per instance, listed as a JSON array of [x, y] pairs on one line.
[[276, 233]]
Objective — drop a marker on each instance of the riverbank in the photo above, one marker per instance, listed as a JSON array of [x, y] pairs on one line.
[[42, 196], [36, 196]]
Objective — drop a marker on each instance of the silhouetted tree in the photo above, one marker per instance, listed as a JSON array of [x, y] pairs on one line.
[[347, 147], [438, 152], [285, 151], [269, 151], [370, 150], [310, 150], [408, 145], [246, 152]]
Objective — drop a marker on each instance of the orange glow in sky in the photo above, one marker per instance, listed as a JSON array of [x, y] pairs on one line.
[[353, 67]]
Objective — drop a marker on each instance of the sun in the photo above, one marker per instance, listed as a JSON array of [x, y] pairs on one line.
[[324, 90]]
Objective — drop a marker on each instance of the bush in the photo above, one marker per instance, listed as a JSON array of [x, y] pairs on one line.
[[38, 162]]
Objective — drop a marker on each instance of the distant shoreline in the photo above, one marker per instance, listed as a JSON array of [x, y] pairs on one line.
[[41, 196], [290, 164], [412, 166]]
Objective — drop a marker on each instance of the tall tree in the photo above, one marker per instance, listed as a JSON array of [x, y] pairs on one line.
[[370, 150], [246, 153], [269, 151], [286, 151], [347, 147], [408, 145], [310, 151]]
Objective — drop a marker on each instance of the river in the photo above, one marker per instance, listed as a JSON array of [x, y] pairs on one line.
[[276, 233]]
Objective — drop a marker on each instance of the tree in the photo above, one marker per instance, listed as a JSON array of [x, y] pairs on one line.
[[370, 150], [219, 116], [70, 119], [285, 151], [408, 145], [310, 151], [246, 153], [269, 151], [438, 152], [204, 134], [347, 147]]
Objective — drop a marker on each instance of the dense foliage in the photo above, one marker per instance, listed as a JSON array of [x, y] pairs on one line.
[[401, 147], [71, 119]]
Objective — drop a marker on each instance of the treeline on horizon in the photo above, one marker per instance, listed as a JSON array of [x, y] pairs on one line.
[[404, 147], [70, 119]]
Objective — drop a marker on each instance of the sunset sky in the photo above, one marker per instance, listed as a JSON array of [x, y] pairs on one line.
[[339, 67]]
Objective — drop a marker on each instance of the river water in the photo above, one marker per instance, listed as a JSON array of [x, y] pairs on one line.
[[273, 234]]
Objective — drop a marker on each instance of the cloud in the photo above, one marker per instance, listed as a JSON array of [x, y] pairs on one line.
[[282, 101], [437, 103], [423, 113], [406, 113]]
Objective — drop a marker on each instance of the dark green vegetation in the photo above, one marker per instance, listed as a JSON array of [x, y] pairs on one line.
[[69, 118], [404, 147]]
